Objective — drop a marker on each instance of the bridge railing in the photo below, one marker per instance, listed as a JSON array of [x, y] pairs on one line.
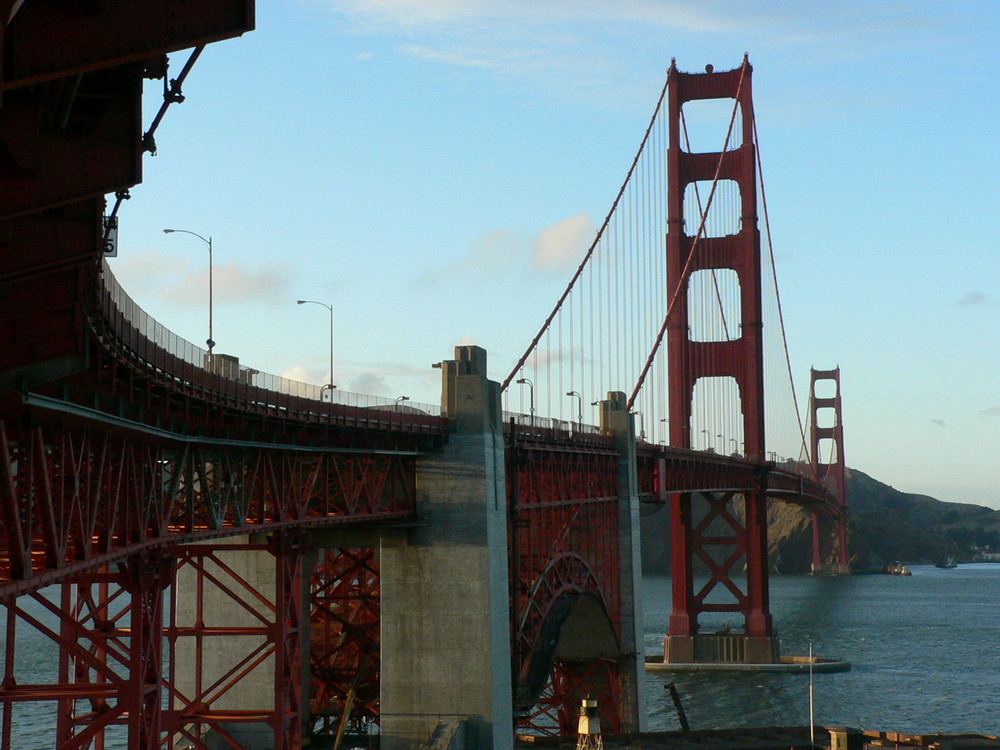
[[150, 340], [532, 428]]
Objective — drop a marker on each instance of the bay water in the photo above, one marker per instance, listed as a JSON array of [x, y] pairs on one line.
[[924, 653]]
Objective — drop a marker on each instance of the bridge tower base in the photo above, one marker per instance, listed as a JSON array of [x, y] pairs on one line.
[[721, 649], [445, 625]]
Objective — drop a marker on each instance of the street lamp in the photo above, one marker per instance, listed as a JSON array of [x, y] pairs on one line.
[[400, 400], [579, 407], [329, 385], [707, 446], [722, 449], [531, 396], [210, 341], [736, 445]]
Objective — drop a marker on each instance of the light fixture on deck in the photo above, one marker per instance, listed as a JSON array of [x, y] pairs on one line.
[[531, 396]]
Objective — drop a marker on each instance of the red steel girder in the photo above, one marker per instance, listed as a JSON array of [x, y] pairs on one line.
[[63, 146], [344, 650], [563, 543], [201, 687], [107, 631], [73, 496], [558, 709], [93, 35], [664, 470]]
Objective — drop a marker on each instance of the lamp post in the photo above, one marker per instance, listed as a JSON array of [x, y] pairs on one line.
[[736, 445], [400, 400], [722, 445], [329, 385], [531, 396], [211, 339], [707, 446], [579, 408]]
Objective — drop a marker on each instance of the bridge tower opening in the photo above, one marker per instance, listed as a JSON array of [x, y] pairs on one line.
[[711, 531], [826, 442]]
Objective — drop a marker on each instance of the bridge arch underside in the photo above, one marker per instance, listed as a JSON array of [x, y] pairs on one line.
[[576, 653]]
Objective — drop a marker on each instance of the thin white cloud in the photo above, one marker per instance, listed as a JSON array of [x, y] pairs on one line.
[[731, 16], [938, 423], [497, 252], [234, 283], [561, 246], [994, 412], [556, 249], [974, 299], [372, 382], [463, 59], [546, 43], [303, 374], [183, 282]]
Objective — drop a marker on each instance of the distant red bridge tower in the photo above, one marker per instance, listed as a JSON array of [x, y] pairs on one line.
[[829, 545]]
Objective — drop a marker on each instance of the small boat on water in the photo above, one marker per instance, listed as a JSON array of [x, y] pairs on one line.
[[946, 562], [898, 569]]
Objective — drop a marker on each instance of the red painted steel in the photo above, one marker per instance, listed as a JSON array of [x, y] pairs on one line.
[[740, 359], [200, 684], [563, 542], [557, 711], [829, 545], [76, 495], [344, 650], [107, 631]]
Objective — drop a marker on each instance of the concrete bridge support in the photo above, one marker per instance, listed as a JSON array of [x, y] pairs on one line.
[[616, 419], [445, 623]]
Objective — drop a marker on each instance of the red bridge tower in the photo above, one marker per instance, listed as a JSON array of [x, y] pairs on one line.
[[706, 525]]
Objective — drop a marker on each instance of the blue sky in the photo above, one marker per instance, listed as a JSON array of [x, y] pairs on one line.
[[401, 159]]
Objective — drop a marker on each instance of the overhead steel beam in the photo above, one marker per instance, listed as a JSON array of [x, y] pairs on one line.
[[96, 35]]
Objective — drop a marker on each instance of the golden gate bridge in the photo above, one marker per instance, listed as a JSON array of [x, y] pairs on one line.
[[220, 557]]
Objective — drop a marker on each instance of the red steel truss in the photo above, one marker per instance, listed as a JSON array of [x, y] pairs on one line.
[[254, 630], [829, 544], [344, 648], [74, 496], [106, 628], [108, 631], [740, 359], [557, 710], [563, 544]]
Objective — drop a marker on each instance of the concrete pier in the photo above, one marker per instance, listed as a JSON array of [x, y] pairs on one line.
[[445, 621]]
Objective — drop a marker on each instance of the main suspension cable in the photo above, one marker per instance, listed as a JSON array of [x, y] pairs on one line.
[[593, 246]]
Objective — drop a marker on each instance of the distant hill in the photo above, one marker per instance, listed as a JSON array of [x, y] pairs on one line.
[[885, 525]]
